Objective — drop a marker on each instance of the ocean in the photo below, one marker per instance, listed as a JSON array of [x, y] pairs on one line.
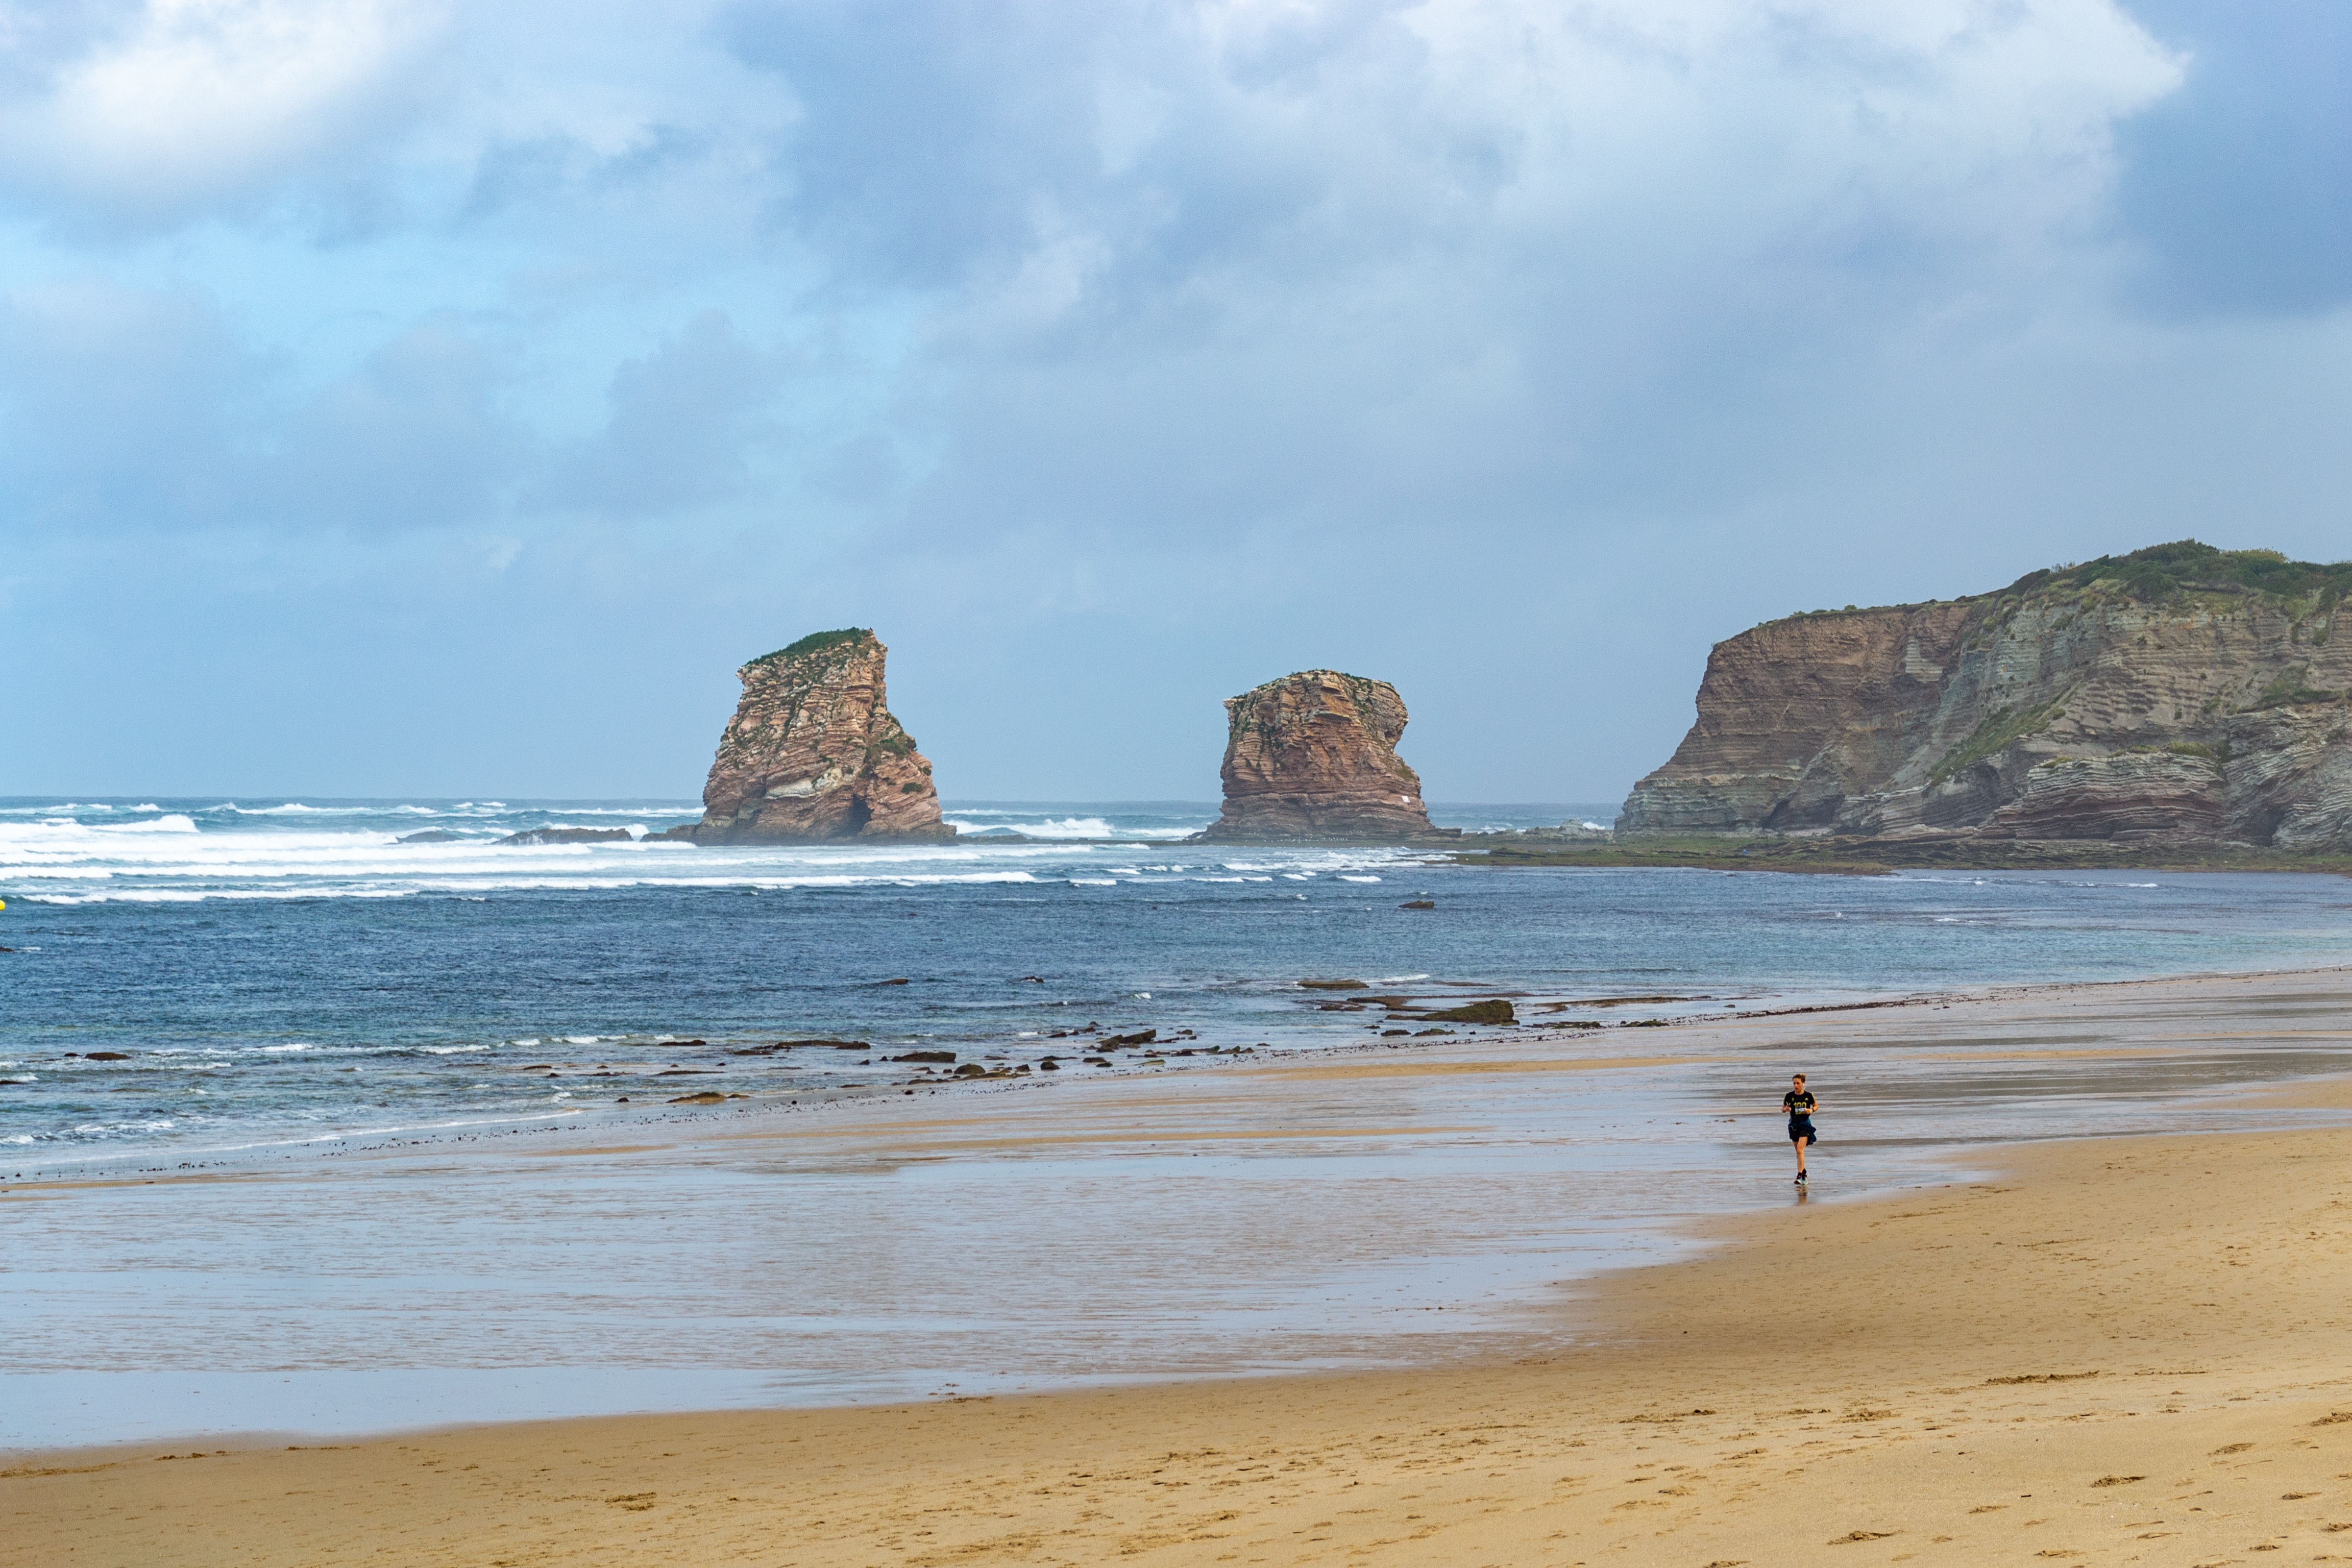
[[189, 979], [306, 1130]]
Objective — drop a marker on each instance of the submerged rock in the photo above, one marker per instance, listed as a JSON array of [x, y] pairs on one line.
[[431, 835], [812, 754], [542, 835], [1496, 1011], [1313, 757]]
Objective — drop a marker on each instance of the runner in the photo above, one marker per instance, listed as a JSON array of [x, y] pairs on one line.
[[1800, 1104]]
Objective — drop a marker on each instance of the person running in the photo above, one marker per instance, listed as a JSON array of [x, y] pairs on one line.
[[1800, 1103]]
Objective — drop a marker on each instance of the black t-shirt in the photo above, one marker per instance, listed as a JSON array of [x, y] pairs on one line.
[[1799, 1104]]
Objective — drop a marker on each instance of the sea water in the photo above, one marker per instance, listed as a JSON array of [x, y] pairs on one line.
[[422, 1095], [198, 976]]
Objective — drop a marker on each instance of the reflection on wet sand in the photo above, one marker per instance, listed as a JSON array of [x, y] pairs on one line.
[[1374, 1209]]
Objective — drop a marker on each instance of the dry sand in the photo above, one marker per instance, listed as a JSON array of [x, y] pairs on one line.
[[2128, 1350]]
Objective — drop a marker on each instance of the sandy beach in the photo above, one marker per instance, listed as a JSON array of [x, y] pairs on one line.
[[2105, 1349]]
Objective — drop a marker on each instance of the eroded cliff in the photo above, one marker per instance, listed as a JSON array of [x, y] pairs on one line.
[[812, 754], [2178, 693], [1313, 757]]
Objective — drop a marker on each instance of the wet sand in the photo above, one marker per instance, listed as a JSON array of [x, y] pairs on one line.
[[2113, 1350]]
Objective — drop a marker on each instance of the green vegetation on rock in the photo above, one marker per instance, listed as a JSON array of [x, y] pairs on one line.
[[817, 642], [1998, 729], [2161, 571], [2290, 691]]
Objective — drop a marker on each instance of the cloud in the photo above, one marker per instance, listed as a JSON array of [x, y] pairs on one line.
[[1135, 350], [1208, 269], [416, 437], [119, 408], [138, 117], [691, 423], [2240, 186]]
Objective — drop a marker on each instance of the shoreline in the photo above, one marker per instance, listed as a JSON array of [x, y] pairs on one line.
[[1829, 855], [680, 1122], [2147, 1362]]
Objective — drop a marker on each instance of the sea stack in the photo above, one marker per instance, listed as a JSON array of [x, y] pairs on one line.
[[812, 755], [2177, 695], [1313, 757]]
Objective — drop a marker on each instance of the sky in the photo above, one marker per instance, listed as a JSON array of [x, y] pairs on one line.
[[404, 397]]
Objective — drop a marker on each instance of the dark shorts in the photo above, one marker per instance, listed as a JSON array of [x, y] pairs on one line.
[[1803, 1127]]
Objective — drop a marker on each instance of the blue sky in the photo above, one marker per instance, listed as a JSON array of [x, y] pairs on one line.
[[399, 397]]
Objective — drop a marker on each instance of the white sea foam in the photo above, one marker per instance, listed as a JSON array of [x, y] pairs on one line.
[[1344, 878], [274, 852], [296, 809], [1071, 828]]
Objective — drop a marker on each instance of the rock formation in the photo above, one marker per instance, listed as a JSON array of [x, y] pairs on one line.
[[2177, 694], [539, 837], [813, 756], [1313, 757]]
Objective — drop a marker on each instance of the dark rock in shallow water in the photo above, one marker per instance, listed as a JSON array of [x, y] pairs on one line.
[[431, 835], [541, 836], [924, 1056], [1419, 904], [108, 1056], [1494, 1012], [810, 1045]]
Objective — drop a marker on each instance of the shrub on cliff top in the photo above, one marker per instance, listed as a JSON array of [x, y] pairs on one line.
[[2162, 570], [816, 642]]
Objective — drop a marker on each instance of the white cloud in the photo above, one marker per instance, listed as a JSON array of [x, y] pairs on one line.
[[185, 106]]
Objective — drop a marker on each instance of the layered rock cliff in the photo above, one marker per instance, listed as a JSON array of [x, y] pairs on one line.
[[812, 754], [2179, 693], [1313, 757]]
